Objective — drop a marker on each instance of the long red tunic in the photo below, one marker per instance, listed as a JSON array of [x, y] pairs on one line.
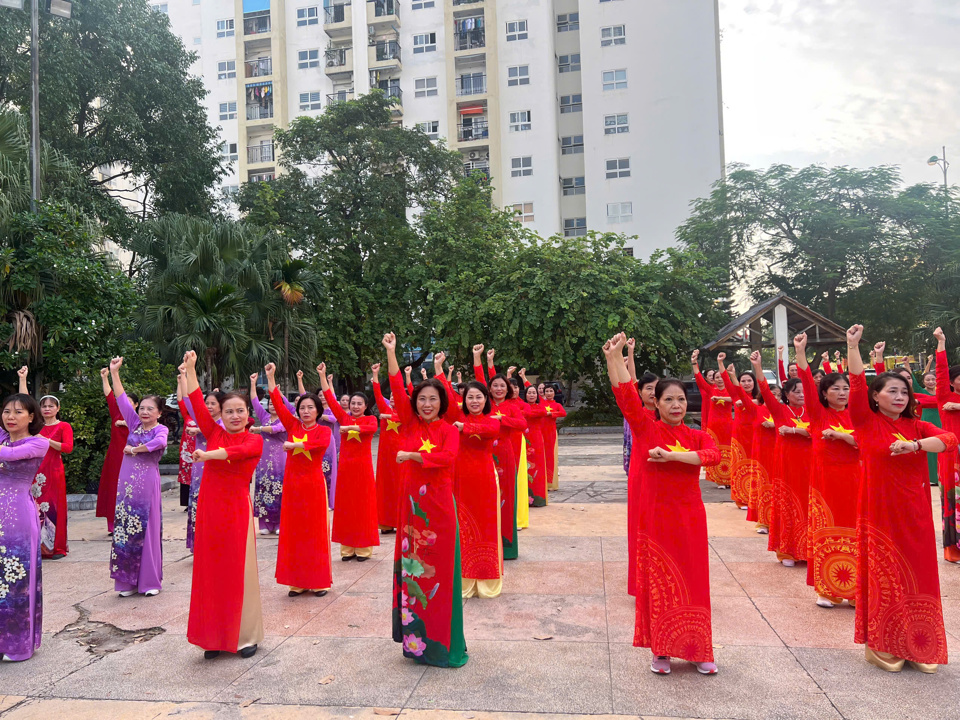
[[673, 578], [188, 443], [747, 473], [634, 480], [791, 479], [107, 488], [388, 472], [427, 604], [718, 421], [223, 537], [832, 509], [355, 520], [536, 461], [948, 463], [303, 552], [53, 490], [478, 498], [898, 588], [554, 411]]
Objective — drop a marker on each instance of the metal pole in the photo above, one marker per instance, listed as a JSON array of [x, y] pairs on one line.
[[34, 104], [943, 156]]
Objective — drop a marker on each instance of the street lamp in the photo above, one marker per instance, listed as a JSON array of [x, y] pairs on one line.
[[942, 163]]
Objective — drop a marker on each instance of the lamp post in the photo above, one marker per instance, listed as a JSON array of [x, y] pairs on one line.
[[942, 163]]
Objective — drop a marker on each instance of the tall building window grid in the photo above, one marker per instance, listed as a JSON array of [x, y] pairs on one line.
[[520, 121], [571, 145], [161, 8], [421, 4], [431, 128], [574, 227], [308, 59], [521, 166], [613, 35], [424, 43], [518, 75], [574, 185], [620, 212], [225, 28], [616, 124], [568, 22], [618, 168], [226, 69], [614, 80], [228, 152], [568, 63], [523, 211], [571, 103], [425, 87], [228, 111], [308, 16], [310, 101], [516, 30]]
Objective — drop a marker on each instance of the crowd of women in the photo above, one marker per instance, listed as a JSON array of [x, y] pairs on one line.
[[833, 469], [458, 468]]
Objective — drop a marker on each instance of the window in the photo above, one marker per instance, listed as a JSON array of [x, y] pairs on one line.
[[226, 69], [569, 63], [573, 185], [224, 27], [613, 35], [425, 87], [521, 166], [619, 168], [427, 42], [607, 0], [524, 211], [196, 2], [231, 191], [431, 128], [308, 59], [421, 4], [568, 22], [228, 151], [197, 41], [616, 124], [520, 121], [516, 30], [161, 8], [571, 103], [308, 16], [574, 227], [619, 212], [628, 252], [310, 101], [228, 111], [571, 145], [614, 79], [518, 75]]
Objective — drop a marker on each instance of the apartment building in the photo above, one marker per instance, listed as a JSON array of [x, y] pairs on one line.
[[585, 114]]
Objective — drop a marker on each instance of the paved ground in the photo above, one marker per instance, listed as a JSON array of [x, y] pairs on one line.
[[556, 643]]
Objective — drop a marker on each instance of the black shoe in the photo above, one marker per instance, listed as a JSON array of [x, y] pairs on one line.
[[294, 593], [210, 654], [248, 652], [58, 556], [362, 559], [347, 558], [319, 593]]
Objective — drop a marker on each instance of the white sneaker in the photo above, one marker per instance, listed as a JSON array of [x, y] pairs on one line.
[[824, 603], [264, 532], [660, 665], [151, 593], [127, 593], [763, 531], [706, 668], [787, 562]]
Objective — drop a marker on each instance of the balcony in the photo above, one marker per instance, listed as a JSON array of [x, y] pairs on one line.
[[465, 2], [257, 111], [258, 68], [385, 54], [469, 39], [478, 130], [260, 153], [262, 177], [477, 166], [338, 20], [385, 12], [338, 61], [473, 84], [339, 96], [256, 23]]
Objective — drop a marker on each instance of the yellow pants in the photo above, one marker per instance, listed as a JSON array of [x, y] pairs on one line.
[[347, 551], [481, 588], [523, 503]]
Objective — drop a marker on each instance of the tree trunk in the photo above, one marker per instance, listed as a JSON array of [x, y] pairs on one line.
[[286, 355]]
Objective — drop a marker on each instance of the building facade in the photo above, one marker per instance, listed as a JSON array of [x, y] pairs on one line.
[[598, 115]]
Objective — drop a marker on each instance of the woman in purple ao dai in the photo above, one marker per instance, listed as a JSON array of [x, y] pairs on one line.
[[268, 477], [136, 559], [21, 599]]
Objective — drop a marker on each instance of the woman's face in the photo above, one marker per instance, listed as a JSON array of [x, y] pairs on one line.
[[838, 394], [747, 383], [672, 405], [710, 376], [648, 393], [540, 389], [795, 396], [307, 411], [235, 415], [49, 408], [475, 401], [776, 391], [792, 370], [428, 404], [892, 398], [16, 419], [549, 393], [531, 395], [149, 412], [213, 406], [817, 377], [345, 402], [905, 374], [357, 406], [498, 389], [930, 382]]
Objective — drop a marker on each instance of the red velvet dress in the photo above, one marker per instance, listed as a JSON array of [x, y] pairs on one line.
[[634, 480], [832, 510], [478, 499], [554, 412], [303, 552], [225, 594], [673, 577], [52, 483], [388, 472], [536, 460], [898, 588], [355, 514], [718, 421], [791, 480], [427, 602], [743, 466], [761, 460], [107, 489], [948, 463]]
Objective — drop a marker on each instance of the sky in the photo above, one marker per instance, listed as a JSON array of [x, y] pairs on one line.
[[842, 82]]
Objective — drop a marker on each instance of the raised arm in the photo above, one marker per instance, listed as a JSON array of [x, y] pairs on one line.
[[624, 390], [382, 405], [338, 412], [478, 365], [491, 368], [773, 405], [105, 379], [706, 389], [854, 359], [22, 381], [945, 392], [112, 406], [632, 358], [859, 403], [284, 414], [810, 393], [400, 404], [301, 389]]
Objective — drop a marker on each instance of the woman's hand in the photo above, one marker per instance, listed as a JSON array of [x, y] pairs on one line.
[[389, 341], [767, 423], [121, 423], [403, 456], [693, 357], [271, 370], [407, 371], [757, 364], [951, 406], [459, 378], [375, 369], [193, 431], [349, 428], [255, 429], [130, 449], [720, 358], [477, 353], [288, 445], [200, 455], [116, 364], [904, 447], [458, 425], [490, 355], [423, 373], [659, 455], [800, 343]]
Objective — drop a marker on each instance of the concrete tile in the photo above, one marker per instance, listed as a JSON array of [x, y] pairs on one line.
[[523, 677], [621, 617], [366, 672], [59, 611], [353, 615], [369, 577], [742, 549], [863, 692], [85, 551], [578, 520], [284, 616], [137, 612], [75, 709], [799, 622], [615, 577], [566, 618], [754, 683], [722, 581], [547, 578], [615, 549], [737, 621], [949, 579], [771, 579], [56, 658], [560, 549], [83, 578]]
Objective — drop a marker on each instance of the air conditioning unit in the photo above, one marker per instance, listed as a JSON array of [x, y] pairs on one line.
[[332, 63]]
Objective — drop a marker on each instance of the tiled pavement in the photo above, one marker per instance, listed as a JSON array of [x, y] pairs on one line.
[[556, 643]]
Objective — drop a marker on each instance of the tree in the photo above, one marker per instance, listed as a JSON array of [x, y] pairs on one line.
[[117, 94]]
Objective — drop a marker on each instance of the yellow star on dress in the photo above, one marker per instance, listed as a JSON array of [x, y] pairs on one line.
[[298, 451], [476, 436], [498, 415], [677, 447], [841, 429], [393, 425], [549, 410], [901, 438], [427, 446], [800, 423], [353, 435], [768, 418]]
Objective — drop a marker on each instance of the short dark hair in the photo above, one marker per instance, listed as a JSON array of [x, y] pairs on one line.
[[954, 371], [475, 385], [436, 385], [31, 406], [366, 401], [310, 396], [647, 378], [664, 383], [536, 393], [787, 388], [828, 381], [510, 385], [819, 371], [215, 393], [133, 398], [755, 393], [884, 379], [236, 395]]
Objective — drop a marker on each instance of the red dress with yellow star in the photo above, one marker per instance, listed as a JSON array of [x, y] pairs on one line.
[[948, 463], [763, 453], [719, 423], [673, 577], [355, 503], [634, 479], [791, 479], [832, 509], [427, 602], [898, 589], [746, 473], [535, 413], [551, 445], [303, 552], [388, 472]]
